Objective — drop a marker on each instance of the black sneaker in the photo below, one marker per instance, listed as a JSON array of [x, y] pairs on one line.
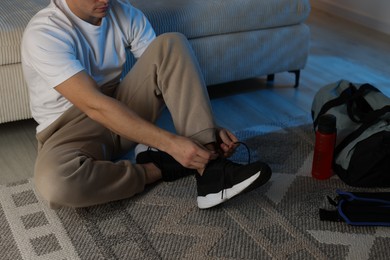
[[171, 170], [223, 179]]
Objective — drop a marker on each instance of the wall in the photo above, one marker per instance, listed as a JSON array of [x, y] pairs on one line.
[[371, 13]]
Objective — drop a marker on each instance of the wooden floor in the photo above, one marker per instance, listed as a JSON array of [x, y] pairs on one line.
[[339, 50]]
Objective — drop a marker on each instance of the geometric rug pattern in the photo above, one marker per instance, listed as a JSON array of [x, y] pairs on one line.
[[277, 221]]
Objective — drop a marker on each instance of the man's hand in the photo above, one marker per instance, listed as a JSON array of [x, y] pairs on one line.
[[195, 156], [191, 154], [226, 142]]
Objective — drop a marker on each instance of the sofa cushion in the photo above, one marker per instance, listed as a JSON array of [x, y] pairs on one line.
[[199, 18], [14, 17]]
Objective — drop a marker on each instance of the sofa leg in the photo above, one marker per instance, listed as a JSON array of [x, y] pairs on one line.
[[297, 76], [271, 77]]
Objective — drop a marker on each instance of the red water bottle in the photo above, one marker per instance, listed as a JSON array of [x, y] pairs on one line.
[[324, 147]]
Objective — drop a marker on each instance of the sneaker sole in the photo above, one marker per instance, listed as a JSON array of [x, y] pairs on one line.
[[214, 199]]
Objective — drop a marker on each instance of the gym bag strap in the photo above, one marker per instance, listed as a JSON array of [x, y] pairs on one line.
[[369, 120], [359, 208], [354, 99], [357, 106]]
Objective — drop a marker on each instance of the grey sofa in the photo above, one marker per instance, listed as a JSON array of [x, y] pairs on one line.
[[232, 39]]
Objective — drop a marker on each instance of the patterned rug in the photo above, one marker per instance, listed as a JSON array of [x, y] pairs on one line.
[[277, 221]]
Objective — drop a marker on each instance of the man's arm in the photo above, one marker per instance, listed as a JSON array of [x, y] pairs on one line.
[[82, 91]]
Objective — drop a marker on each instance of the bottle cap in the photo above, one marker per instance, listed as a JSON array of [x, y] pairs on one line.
[[327, 124]]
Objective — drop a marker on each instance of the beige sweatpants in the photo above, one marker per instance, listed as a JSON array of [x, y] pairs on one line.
[[75, 164]]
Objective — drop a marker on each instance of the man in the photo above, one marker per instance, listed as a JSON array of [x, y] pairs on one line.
[[73, 54]]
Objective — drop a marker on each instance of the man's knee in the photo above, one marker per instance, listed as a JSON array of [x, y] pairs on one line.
[[58, 184], [57, 191], [173, 39], [173, 35]]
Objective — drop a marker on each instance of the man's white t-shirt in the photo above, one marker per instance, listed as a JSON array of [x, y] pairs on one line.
[[57, 44]]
